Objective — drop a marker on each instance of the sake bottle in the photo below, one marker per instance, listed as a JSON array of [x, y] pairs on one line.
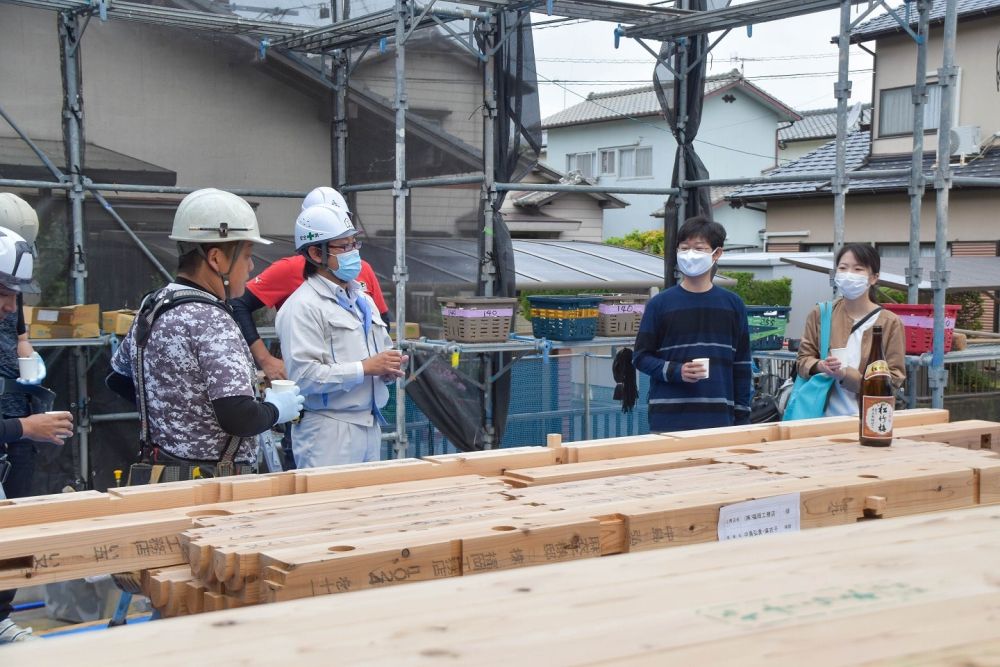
[[877, 401]]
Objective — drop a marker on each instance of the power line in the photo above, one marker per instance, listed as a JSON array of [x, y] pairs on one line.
[[658, 128]]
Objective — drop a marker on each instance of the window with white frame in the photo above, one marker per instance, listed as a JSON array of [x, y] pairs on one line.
[[635, 162], [895, 115], [608, 161], [581, 162]]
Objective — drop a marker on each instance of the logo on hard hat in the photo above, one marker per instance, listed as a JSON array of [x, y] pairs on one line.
[[310, 236]]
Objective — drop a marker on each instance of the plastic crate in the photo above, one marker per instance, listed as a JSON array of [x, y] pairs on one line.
[[477, 319], [564, 317], [620, 314], [918, 322], [767, 326]]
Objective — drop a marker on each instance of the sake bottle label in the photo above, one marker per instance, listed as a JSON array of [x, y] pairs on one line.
[[877, 413]]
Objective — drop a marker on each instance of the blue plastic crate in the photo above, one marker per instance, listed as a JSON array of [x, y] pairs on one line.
[[564, 317], [767, 326]]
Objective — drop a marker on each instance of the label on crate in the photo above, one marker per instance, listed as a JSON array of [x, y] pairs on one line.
[[475, 312], [621, 308], [754, 518], [924, 322], [877, 416]]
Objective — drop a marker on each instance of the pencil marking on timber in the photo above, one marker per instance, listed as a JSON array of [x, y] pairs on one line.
[[482, 562], [379, 577], [106, 552], [157, 546], [341, 585], [450, 567], [47, 561], [839, 507], [769, 612]]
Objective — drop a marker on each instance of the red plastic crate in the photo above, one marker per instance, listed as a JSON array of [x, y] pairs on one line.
[[918, 321]]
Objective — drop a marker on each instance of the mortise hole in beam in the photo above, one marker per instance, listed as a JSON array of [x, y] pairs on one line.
[[869, 476], [986, 441], [19, 563], [340, 548], [198, 513], [743, 451], [504, 528]]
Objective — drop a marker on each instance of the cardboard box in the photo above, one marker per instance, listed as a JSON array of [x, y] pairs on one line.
[[412, 330], [39, 331], [117, 322], [81, 321]]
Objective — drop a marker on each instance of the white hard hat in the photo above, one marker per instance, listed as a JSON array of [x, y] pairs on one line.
[[325, 195], [16, 261], [18, 216], [323, 222], [215, 216]]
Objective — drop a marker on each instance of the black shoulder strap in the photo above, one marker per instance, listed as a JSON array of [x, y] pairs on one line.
[[864, 319], [153, 306]]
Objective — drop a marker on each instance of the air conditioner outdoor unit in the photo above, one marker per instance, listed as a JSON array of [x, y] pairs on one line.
[[965, 140]]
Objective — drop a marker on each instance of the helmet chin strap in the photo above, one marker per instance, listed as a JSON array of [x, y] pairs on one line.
[[325, 264], [224, 277]]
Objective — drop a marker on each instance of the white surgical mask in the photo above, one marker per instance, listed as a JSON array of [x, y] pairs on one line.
[[851, 285], [694, 263]]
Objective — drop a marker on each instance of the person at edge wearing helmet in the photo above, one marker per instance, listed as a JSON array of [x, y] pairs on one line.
[[19, 217], [336, 346], [196, 382], [16, 264], [277, 282]]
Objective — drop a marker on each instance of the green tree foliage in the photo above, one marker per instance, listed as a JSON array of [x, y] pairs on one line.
[[755, 292]]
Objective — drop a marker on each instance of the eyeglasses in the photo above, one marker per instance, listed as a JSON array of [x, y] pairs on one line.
[[337, 249]]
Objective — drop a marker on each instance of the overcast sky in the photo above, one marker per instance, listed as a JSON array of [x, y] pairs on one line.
[[792, 59]]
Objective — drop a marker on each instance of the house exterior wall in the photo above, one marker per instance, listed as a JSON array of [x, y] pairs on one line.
[[180, 100], [572, 206], [793, 150], [884, 218], [446, 82], [976, 57], [735, 139]]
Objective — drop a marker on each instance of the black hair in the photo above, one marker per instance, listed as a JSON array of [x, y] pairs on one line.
[[190, 261], [865, 254], [701, 227], [309, 269]]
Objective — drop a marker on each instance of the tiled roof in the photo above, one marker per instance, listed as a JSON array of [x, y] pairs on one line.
[[717, 194], [820, 124], [638, 102], [886, 24], [858, 146]]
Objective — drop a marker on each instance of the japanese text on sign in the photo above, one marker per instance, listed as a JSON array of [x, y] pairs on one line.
[[754, 518]]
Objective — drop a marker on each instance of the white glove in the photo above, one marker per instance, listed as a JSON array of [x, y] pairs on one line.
[[41, 372], [289, 403]]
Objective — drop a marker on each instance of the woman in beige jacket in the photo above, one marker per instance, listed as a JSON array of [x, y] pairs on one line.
[[853, 317]]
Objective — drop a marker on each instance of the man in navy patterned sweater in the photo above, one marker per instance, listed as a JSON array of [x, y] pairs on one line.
[[696, 320]]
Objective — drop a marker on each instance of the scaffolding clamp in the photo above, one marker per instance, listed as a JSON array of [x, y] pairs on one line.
[[262, 48], [619, 33], [102, 8], [548, 6], [939, 279], [749, 29], [383, 45]]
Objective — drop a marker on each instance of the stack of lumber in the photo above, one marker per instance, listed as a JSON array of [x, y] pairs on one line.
[[215, 544], [919, 590]]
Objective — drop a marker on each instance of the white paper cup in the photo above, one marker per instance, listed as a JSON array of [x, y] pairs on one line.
[[840, 353], [703, 361], [281, 386], [28, 367]]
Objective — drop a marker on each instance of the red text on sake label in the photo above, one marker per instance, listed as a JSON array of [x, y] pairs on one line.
[[877, 412]]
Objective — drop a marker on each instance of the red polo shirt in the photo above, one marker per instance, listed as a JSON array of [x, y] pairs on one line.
[[277, 282]]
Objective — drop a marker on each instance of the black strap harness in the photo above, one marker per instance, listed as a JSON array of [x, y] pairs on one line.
[[153, 306]]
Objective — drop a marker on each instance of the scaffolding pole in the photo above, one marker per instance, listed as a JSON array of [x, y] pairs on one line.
[[916, 190], [69, 37], [399, 195], [670, 235], [947, 76], [842, 92], [487, 265]]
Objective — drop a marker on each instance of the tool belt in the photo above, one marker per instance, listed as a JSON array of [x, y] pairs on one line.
[[158, 466]]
